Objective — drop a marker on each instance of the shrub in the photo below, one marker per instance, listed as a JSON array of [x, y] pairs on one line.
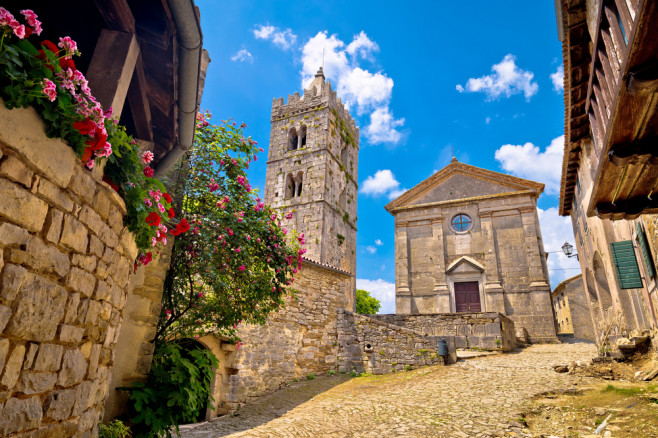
[[113, 429]]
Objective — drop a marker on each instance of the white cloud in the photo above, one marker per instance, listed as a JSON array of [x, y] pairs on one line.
[[378, 242], [382, 182], [380, 289], [558, 79], [555, 230], [368, 92], [528, 161], [382, 127], [362, 46], [243, 55], [371, 249], [282, 38], [506, 80], [487, 120]]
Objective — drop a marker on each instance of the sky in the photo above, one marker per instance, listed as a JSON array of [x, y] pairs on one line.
[[421, 79]]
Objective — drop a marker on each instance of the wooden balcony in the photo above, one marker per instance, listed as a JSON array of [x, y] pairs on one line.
[[621, 105]]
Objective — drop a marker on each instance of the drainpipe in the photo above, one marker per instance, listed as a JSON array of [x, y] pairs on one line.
[[190, 43]]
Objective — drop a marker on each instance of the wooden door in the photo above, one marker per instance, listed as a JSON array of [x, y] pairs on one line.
[[467, 297]]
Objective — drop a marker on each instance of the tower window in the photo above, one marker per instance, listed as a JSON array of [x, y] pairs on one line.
[[302, 136], [292, 140], [461, 223], [294, 185]]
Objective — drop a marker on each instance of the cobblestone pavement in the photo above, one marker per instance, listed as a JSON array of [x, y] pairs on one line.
[[474, 398]]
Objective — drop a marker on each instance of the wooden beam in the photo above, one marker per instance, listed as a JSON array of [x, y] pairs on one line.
[[117, 15], [139, 103], [643, 80], [640, 152], [627, 209], [111, 68]]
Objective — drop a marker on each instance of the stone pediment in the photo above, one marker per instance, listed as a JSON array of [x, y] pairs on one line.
[[458, 181], [464, 264]]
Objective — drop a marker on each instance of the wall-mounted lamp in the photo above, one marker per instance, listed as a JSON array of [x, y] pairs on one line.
[[567, 248]]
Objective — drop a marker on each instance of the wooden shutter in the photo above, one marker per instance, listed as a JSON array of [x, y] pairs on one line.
[[646, 253], [623, 257]]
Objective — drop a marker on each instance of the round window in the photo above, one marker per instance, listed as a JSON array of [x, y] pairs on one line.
[[461, 223]]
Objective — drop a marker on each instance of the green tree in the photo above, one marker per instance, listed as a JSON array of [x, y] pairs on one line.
[[235, 264], [366, 304]]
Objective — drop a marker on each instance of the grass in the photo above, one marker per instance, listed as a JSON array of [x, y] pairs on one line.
[[627, 392], [310, 376]]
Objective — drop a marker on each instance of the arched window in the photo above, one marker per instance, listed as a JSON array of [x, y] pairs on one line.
[[292, 139], [294, 185], [302, 136]]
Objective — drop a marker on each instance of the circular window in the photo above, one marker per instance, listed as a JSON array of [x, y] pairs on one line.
[[461, 223]]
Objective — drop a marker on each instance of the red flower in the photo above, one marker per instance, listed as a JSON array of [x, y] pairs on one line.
[[87, 154], [182, 227], [111, 183], [148, 171], [85, 127], [67, 63], [153, 219], [50, 46], [98, 141], [171, 213], [167, 197]]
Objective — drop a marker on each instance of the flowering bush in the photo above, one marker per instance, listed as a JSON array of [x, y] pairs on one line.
[[45, 77], [237, 262]]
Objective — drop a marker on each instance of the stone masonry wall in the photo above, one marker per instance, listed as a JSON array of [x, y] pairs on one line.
[[65, 265], [134, 346], [369, 345], [298, 340], [491, 331]]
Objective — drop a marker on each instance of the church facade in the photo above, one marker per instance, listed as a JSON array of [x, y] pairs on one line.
[[468, 240]]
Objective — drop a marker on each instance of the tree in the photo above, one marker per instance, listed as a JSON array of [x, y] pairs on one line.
[[366, 304], [235, 264]]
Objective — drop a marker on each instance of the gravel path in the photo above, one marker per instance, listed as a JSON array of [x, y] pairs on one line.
[[475, 398]]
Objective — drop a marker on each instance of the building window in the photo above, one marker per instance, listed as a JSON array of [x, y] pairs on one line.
[[293, 185], [292, 140], [302, 136], [461, 223], [623, 257], [645, 250]]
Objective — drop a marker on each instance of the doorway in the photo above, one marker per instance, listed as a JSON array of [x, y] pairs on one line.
[[467, 297]]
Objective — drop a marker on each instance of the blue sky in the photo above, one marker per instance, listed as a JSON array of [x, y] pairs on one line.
[[421, 78]]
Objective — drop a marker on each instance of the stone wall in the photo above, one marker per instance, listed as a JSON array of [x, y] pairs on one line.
[[491, 331], [298, 340], [134, 346], [572, 311], [65, 266], [367, 344]]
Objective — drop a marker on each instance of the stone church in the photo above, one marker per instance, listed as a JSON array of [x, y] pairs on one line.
[[468, 240]]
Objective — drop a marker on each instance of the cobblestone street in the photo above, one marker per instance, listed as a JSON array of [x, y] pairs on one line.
[[478, 397]]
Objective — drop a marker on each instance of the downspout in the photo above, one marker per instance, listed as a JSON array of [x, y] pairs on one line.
[[190, 44]]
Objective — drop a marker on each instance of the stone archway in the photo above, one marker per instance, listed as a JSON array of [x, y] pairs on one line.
[[601, 282]]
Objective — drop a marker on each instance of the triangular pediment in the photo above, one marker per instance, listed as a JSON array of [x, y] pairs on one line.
[[458, 181], [464, 264]]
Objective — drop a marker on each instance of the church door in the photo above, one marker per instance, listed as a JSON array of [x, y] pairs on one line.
[[467, 297]]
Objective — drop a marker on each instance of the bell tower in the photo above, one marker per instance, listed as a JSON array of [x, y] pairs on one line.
[[312, 171]]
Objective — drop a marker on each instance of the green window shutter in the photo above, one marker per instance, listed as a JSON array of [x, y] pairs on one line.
[[646, 253], [623, 257]]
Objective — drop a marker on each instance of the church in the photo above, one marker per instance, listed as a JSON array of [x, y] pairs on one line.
[[468, 240]]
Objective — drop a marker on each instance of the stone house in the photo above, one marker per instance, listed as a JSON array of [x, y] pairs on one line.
[[66, 259], [609, 170], [571, 307], [468, 240]]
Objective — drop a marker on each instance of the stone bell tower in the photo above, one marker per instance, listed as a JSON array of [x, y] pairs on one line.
[[312, 171]]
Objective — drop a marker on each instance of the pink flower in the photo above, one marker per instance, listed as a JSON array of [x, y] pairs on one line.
[[90, 164], [161, 208], [19, 30], [237, 250], [148, 202], [31, 19], [49, 89], [69, 46], [147, 157], [6, 18], [241, 268], [289, 215], [199, 295]]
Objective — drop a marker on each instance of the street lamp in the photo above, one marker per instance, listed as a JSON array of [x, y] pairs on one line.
[[567, 248]]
